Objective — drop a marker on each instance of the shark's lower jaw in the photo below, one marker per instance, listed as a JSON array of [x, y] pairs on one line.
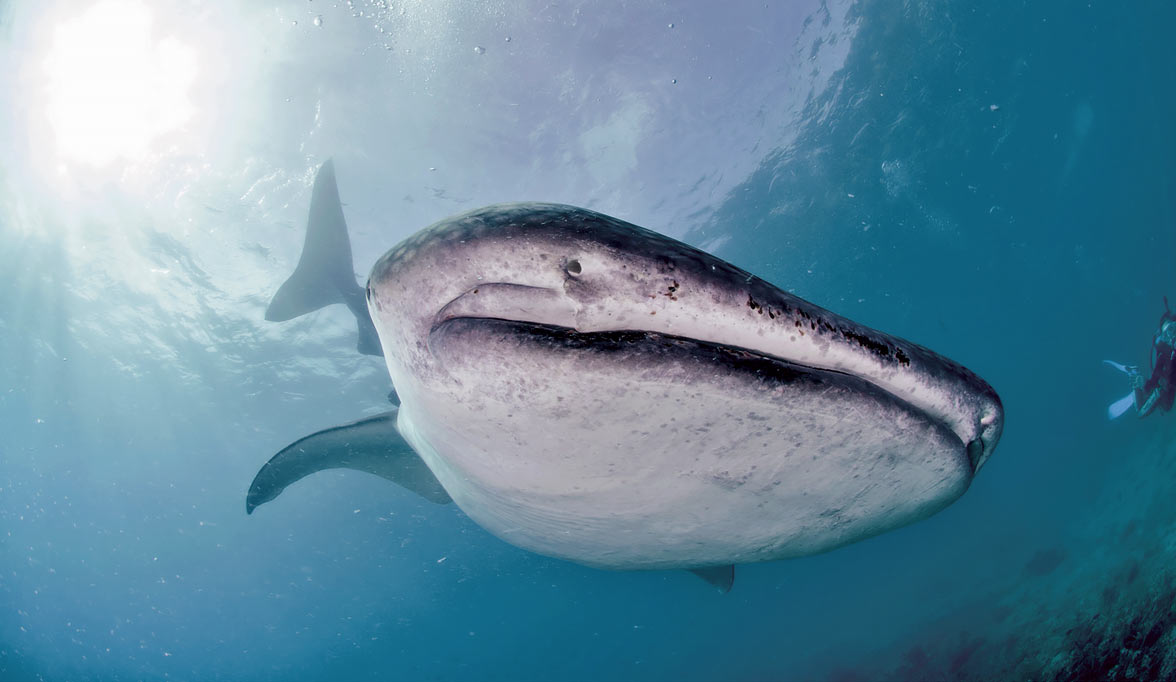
[[726, 357], [670, 452]]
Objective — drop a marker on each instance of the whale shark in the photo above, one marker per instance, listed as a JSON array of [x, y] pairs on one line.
[[594, 391]]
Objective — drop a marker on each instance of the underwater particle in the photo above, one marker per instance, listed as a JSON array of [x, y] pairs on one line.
[[896, 177], [508, 39], [318, 21], [294, 23], [478, 49], [994, 107], [671, 24], [673, 81]]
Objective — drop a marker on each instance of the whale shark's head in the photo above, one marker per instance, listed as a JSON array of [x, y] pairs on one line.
[[547, 356], [572, 268]]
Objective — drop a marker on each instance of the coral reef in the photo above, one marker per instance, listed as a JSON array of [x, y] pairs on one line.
[[1099, 606]]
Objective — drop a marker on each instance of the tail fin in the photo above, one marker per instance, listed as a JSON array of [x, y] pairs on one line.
[[325, 269], [325, 272]]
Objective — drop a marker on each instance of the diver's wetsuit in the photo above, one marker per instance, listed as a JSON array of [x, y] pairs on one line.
[[1160, 388]]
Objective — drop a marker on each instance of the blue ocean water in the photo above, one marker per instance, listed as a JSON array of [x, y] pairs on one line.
[[991, 180]]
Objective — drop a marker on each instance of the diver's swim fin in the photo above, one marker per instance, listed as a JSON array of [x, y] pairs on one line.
[[325, 273], [1129, 370], [1117, 408], [373, 445]]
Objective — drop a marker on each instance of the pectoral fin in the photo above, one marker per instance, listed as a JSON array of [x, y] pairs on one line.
[[373, 445]]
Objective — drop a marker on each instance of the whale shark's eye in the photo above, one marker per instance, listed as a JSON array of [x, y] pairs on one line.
[[573, 267]]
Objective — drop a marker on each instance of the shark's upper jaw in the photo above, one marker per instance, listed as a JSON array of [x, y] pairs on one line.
[[513, 302], [552, 307]]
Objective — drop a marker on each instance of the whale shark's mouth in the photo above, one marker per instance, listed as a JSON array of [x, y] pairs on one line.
[[513, 302], [547, 315]]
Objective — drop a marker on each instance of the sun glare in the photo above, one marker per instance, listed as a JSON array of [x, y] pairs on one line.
[[113, 87]]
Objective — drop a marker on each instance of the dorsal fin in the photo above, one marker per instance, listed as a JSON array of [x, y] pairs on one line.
[[721, 577], [373, 445]]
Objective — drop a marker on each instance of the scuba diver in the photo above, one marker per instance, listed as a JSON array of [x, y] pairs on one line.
[[1159, 389]]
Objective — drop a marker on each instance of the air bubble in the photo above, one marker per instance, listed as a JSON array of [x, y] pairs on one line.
[[318, 21], [479, 50]]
